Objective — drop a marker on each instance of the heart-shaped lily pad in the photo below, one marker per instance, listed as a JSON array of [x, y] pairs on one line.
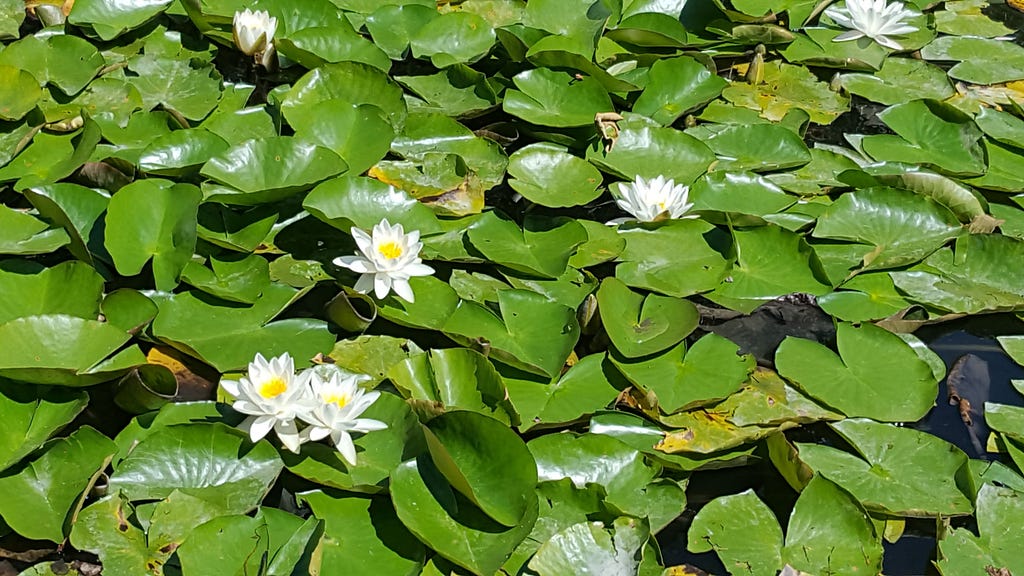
[[639, 325]]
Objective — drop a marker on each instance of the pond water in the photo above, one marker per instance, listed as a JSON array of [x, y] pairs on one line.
[[987, 378]]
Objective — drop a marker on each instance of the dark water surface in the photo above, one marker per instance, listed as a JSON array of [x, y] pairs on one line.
[[987, 377]]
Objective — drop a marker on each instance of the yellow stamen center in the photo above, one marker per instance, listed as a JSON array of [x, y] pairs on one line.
[[272, 388], [339, 398], [390, 250]]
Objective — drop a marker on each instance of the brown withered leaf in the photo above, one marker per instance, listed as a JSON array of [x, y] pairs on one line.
[[196, 381]]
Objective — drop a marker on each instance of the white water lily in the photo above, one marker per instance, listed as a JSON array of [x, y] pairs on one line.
[[389, 258], [654, 199], [254, 35], [339, 401], [875, 19], [273, 396]]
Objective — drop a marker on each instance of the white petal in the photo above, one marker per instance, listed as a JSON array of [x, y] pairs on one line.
[[369, 425], [402, 288], [343, 442], [364, 284], [230, 386], [381, 285], [888, 42], [260, 426], [361, 237], [849, 35], [417, 270], [288, 433]]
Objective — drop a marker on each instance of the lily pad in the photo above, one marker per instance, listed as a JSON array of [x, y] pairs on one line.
[[897, 227], [548, 175], [639, 325], [876, 375], [784, 87], [453, 38], [269, 170], [709, 371], [230, 473], [673, 259], [899, 472], [675, 87], [643, 149], [514, 334], [551, 98], [974, 281]]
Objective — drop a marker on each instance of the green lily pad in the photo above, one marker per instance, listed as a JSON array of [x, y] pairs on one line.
[[967, 18], [170, 75], [900, 80], [770, 262], [19, 94], [587, 549], [457, 379], [35, 350], [461, 444], [182, 152], [742, 530], [865, 297], [458, 91], [1000, 510], [755, 147], [876, 375], [639, 325], [900, 472], [363, 536], [643, 149], [71, 288], [352, 82], [22, 233], [227, 336], [350, 201], [541, 248], [338, 42], [32, 417], [709, 371], [784, 87], [735, 197], [229, 473], [445, 520], [828, 528], [979, 60], [588, 386], [1001, 126], [361, 135], [548, 175], [551, 98], [66, 61], [675, 87], [231, 278], [531, 332], [975, 280], [153, 219], [897, 228], [672, 259], [41, 496], [111, 19], [930, 133], [392, 26], [269, 170], [453, 38]]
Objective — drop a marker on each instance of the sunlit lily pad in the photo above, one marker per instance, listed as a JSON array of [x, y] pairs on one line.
[[784, 87], [853, 382], [899, 471]]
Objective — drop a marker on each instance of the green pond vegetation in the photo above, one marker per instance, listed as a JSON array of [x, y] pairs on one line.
[[385, 287]]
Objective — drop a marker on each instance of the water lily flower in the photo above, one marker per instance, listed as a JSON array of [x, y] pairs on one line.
[[254, 35], [875, 19], [389, 258], [273, 396], [339, 403], [655, 199]]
